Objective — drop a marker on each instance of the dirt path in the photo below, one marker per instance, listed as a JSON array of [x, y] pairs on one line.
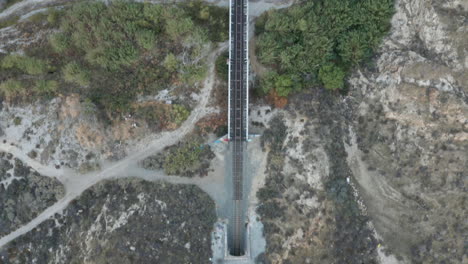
[[75, 183], [35, 165], [26, 6], [255, 7], [379, 194]]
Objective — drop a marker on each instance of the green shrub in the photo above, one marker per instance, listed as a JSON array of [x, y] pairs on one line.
[[11, 88], [25, 64], [332, 76], [106, 34], [153, 14], [34, 66], [284, 85], [177, 28], [44, 87], [146, 39], [353, 47], [113, 57], [170, 62], [193, 73], [17, 120], [74, 73], [179, 114], [267, 83], [186, 159], [59, 42], [53, 16], [222, 68], [183, 157], [11, 61], [88, 106]]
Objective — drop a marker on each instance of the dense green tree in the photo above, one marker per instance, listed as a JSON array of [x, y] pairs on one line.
[[209, 16], [146, 38], [267, 83], [354, 47], [300, 41], [332, 76], [284, 85]]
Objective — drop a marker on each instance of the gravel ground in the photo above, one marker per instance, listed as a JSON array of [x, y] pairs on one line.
[[123, 221]]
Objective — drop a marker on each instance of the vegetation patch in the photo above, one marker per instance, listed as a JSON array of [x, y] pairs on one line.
[[222, 67], [46, 87], [189, 159], [9, 21], [25, 64], [162, 116], [17, 121], [112, 53], [12, 88], [319, 42]]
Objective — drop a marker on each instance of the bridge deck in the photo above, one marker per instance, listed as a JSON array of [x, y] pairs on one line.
[[238, 112], [238, 71]]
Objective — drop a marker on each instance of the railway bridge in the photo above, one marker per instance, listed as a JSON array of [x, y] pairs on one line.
[[238, 129]]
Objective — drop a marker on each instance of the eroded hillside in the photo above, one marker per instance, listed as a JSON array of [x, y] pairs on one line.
[[124, 221], [379, 174], [410, 124]]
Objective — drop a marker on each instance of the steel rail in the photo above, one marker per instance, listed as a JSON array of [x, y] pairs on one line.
[[238, 112]]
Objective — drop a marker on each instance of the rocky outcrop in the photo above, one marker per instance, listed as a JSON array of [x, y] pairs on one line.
[[409, 118], [68, 132], [124, 221], [307, 205], [23, 193], [378, 174]]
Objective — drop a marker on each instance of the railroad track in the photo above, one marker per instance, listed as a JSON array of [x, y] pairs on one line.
[[238, 113]]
